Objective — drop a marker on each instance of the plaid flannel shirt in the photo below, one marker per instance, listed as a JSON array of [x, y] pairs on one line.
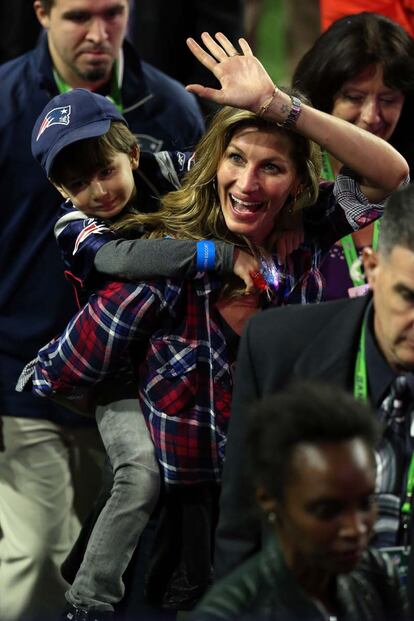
[[185, 379], [172, 331]]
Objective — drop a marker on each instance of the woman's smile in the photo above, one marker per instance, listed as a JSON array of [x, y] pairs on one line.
[[245, 208]]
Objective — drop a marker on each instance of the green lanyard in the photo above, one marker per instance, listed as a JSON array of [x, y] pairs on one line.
[[406, 507], [114, 96], [360, 376], [348, 244], [351, 256], [361, 392], [327, 172]]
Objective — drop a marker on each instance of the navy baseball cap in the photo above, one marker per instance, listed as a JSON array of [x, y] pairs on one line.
[[69, 117]]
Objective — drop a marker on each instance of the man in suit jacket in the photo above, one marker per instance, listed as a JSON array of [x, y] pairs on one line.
[[321, 342]]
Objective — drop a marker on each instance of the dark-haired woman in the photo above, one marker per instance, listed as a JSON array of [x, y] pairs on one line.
[[361, 70]]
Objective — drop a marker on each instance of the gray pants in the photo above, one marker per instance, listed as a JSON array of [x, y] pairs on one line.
[[98, 583]]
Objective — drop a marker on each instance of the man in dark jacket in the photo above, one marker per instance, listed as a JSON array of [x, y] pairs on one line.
[[365, 345], [83, 47]]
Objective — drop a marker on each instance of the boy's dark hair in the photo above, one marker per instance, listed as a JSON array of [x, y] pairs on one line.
[[303, 413], [85, 157], [397, 223]]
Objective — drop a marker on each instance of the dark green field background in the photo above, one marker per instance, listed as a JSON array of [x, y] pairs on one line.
[[270, 40]]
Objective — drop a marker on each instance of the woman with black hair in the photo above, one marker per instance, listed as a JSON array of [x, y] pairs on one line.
[[361, 70]]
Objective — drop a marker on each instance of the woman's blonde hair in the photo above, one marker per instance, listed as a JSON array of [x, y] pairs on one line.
[[194, 210]]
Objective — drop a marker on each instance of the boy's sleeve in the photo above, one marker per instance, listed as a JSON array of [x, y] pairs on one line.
[[89, 247], [141, 259], [79, 239], [97, 339]]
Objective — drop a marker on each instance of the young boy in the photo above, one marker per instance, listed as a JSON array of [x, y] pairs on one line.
[[87, 151]]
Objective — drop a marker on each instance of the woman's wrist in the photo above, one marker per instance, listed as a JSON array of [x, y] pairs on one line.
[[268, 102], [284, 109], [294, 113]]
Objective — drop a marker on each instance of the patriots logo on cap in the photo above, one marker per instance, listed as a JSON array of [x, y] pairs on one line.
[[57, 116]]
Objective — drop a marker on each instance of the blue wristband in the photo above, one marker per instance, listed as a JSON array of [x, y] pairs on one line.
[[206, 256]]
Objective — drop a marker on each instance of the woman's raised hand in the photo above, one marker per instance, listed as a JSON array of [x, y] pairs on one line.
[[244, 81]]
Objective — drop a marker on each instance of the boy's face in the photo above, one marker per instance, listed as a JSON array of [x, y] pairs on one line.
[[108, 190]]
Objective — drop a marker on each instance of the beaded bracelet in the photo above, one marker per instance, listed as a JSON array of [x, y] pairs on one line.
[[293, 115], [267, 103]]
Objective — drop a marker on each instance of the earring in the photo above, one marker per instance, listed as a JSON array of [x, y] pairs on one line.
[[271, 517], [294, 199]]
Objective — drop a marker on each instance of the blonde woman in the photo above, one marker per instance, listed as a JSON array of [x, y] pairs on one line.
[[250, 175]]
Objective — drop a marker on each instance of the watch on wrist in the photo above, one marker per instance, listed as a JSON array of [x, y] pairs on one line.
[[294, 113]]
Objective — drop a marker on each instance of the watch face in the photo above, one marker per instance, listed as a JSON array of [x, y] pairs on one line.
[[294, 112]]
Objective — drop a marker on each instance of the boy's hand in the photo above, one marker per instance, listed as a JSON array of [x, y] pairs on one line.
[[244, 266]]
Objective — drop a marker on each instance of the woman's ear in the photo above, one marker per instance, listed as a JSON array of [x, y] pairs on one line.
[[266, 502], [134, 157], [294, 196], [299, 189]]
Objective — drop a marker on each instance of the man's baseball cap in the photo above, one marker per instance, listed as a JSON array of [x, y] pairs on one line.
[[69, 117]]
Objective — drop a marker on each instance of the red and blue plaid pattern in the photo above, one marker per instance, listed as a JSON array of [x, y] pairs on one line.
[[185, 381]]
